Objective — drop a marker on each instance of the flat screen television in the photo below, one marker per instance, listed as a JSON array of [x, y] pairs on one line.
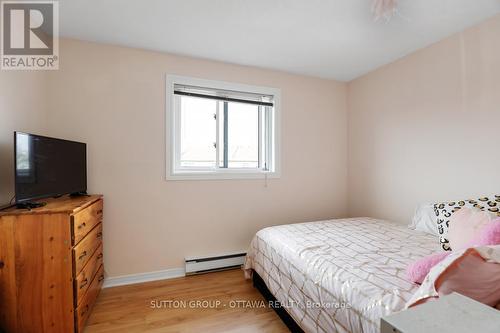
[[48, 167]]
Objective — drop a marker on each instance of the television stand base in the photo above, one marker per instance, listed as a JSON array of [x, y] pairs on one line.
[[79, 194], [30, 205]]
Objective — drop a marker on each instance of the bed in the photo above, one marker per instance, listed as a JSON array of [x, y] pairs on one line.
[[338, 275]]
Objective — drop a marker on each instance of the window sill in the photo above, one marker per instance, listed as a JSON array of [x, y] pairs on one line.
[[197, 175]]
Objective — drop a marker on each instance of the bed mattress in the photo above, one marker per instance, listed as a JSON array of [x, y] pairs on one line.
[[338, 275]]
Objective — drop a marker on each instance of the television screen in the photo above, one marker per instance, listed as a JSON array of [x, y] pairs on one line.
[[46, 167]]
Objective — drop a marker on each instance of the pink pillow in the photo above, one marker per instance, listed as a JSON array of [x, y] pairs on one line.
[[465, 225], [488, 235], [472, 274], [473, 277]]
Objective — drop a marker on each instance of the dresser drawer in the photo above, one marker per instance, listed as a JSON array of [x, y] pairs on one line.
[[83, 280], [85, 220], [83, 310], [86, 248]]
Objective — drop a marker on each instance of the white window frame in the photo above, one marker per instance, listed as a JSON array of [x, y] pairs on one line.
[[172, 157]]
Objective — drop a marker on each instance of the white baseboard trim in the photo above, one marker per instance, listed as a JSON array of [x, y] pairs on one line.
[[143, 277]]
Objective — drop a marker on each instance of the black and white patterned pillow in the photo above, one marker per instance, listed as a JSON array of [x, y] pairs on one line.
[[444, 210]]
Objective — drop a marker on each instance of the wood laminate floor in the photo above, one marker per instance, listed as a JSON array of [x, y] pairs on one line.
[[188, 304]]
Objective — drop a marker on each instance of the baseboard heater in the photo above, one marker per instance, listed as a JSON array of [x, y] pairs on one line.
[[214, 264]]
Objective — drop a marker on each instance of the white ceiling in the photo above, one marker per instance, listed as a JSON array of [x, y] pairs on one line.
[[335, 39]]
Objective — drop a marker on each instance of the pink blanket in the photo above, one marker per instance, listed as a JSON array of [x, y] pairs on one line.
[[474, 272]]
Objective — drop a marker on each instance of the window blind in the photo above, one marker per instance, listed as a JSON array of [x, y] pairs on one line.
[[223, 95]]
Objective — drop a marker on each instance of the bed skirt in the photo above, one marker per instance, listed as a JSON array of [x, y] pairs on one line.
[[260, 285]]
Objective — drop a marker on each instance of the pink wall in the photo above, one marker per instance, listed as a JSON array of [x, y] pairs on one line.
[[23, 107], [426, 127], [113, 98]]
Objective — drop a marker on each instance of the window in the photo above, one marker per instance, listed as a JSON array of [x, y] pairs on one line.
[[220, 130]]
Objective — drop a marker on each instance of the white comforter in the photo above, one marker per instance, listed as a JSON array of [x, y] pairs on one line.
[[339, 275]]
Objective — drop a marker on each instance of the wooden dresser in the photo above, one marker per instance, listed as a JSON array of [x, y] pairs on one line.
[[51, 265]]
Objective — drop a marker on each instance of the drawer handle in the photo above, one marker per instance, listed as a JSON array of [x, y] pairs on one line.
[[99, 212], [100, 256], [84, 283], [100, 278], [85, 311], [99, 235], [83, 225], [83, 255], [2, 264]]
